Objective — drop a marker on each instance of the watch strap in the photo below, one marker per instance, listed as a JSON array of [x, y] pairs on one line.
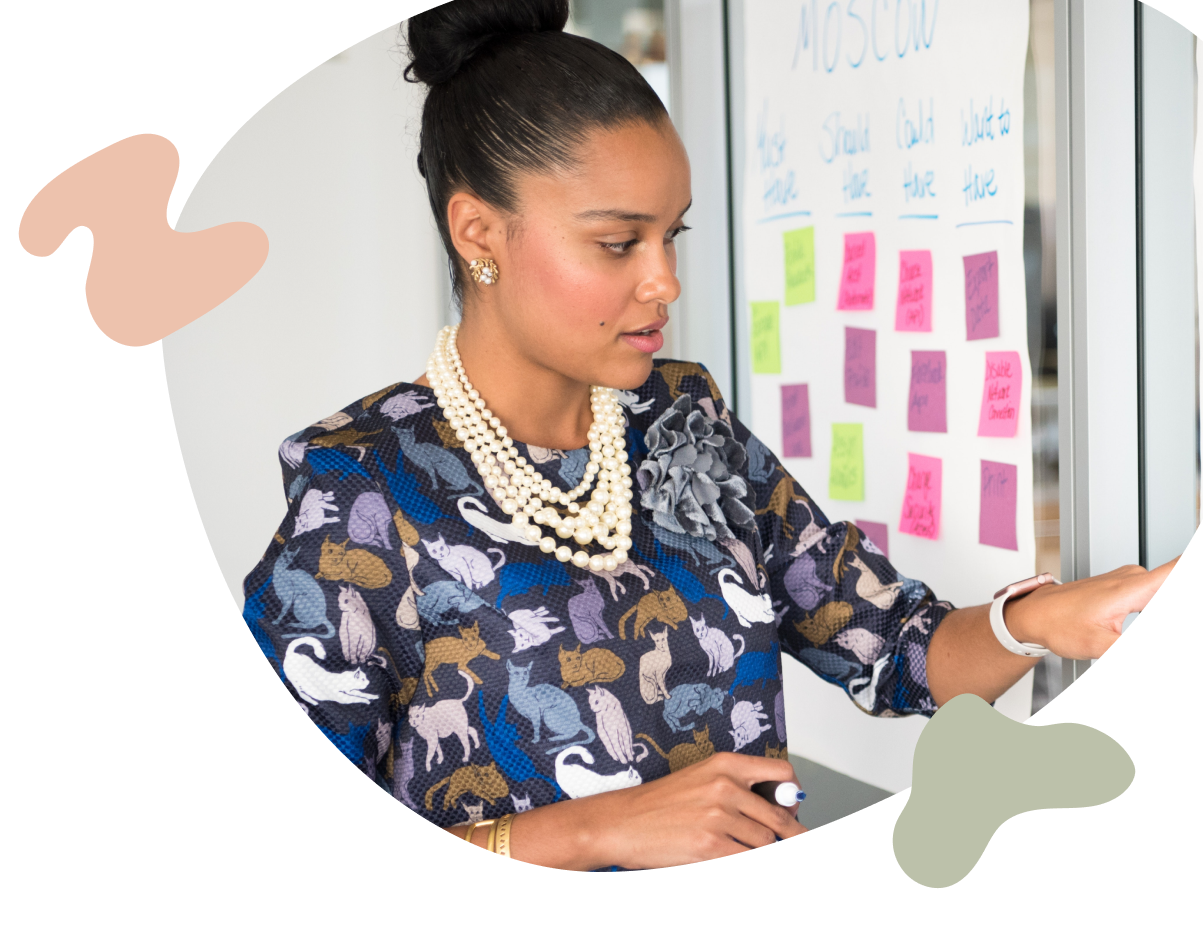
[[999, 625]]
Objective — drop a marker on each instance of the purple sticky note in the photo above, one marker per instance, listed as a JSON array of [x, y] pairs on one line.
[[878, 533], [914, 292], [926, 409], [860, 366], [1001, 395], [860, 271], [921, 505], [981, 296], [795, 420], [1000, 483]]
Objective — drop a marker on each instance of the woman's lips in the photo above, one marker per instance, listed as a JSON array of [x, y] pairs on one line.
[[648, 341]]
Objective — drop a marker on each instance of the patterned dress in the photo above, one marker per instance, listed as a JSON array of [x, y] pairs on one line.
[[469, 674]]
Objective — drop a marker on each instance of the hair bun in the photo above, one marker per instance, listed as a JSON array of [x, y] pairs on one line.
[[441, 40]]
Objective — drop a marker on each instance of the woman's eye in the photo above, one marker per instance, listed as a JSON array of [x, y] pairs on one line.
[[619, 248], [676, 232]]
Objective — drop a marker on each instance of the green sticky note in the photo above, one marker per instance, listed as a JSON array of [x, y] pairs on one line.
[[800, 266], [847, 480], [766, 337]]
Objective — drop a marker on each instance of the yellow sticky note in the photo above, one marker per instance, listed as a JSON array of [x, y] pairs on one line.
[[766, 337], [800, 266], [847, 480]]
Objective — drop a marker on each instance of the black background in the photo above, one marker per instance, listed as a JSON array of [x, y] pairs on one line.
[[148, 714]]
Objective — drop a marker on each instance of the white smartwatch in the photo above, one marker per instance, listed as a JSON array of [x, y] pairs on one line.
[[998, 624]]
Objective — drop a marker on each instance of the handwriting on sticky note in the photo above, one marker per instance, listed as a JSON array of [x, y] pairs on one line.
[[1001, 395], [860, 366], [926, 408], [766, 337], [795, 420], [921, 503], [996, 525], [877, 533], [981, 296], [800, 266], [860, 270], [913, 313], [847, 479]]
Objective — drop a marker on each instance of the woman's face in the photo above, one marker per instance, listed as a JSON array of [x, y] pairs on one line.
[[588, 265]]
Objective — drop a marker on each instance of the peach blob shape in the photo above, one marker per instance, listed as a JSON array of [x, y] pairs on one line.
[[146, 280]]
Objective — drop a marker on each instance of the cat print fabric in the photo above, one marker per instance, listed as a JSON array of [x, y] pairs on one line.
[[470, 675]]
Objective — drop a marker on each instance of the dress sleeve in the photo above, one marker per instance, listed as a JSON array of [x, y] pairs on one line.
[[323, 604], [845, 611]]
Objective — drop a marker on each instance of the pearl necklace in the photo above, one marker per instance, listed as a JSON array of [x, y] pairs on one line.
[[520, 490]]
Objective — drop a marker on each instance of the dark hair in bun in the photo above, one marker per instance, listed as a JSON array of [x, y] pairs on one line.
[[511, 93]]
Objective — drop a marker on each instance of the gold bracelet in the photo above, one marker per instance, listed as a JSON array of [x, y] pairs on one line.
[[502, 846], [491, 844], [472, 828]]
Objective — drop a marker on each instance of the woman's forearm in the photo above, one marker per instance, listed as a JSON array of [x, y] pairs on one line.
[[966, 657], [559, 835]]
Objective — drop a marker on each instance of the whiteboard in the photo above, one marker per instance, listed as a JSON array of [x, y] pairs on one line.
[[891, 130]]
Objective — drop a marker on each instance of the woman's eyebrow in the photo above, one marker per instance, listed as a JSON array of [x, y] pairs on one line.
[[623, 216]]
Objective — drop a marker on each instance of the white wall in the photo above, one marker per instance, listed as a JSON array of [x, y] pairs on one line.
[[349, 300]]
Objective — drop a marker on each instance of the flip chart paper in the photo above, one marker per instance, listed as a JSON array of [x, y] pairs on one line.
[[913, 313], [1000, 485], [926, 408], [766, 337], [795, 420], [921, 503], [800, 266], [1001, 395], [878, 533], [860, 366], [860, 269], [847, 481], [981, 296]]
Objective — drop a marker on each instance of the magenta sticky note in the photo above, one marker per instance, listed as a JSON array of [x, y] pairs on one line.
[[921, 504], [981, 296], [878, 533], [996, 525], [860, 366], [795, 420], [1001, 395], [860, 271], [914, 292], [926, 408]]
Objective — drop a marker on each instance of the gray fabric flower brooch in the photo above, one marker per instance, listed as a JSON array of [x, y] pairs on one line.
[[688, 479]]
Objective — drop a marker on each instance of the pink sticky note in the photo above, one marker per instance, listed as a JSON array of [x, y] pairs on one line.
[[860, 366], [926, 408], [914, 292], [860, 270], [1001, 395], [921, 505], [996, 527], [878, 533], [795, 420], [981, 296]]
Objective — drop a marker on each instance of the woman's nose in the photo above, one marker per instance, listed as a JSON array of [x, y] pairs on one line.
[[660, 284]]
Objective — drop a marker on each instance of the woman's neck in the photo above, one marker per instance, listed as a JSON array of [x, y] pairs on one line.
[[536, 405]]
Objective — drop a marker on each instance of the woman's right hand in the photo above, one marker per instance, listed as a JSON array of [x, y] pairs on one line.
[[703, 811]]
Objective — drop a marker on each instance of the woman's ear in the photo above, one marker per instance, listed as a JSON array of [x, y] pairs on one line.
[[475, 226]]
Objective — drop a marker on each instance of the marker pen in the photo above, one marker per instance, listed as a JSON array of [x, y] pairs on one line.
[[783, 793]]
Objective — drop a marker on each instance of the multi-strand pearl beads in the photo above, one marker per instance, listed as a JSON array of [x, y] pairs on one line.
[[520, 490]]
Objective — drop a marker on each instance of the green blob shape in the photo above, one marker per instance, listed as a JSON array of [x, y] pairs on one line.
[[799, 266], [974, 769], [766, 337], [846, 479]]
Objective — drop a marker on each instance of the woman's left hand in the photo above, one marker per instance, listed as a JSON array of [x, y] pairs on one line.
[[1082, 619]]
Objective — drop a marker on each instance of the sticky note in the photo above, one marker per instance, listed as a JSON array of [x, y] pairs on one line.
[[766, 337], [981, 296], [913, 313], [877, 533], [860, 366], [1001, 395], [860, 269], [921, 504], [795, 420], [800, 266], [926, 408], [847, 480], [996, 525]]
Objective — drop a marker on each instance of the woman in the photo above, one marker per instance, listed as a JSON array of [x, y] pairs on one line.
[[521, 594]]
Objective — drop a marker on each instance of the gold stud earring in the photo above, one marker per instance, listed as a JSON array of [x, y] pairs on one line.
[[483, 270]]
